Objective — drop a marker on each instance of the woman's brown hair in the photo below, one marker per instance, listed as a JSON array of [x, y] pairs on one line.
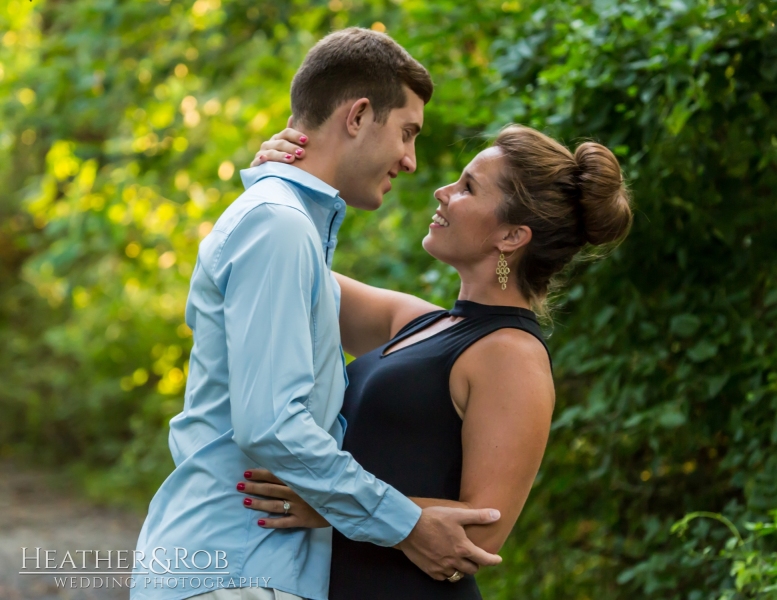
[[567, 200]]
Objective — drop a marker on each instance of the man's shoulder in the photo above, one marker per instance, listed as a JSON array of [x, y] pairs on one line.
[[268, 214], [270, 199]]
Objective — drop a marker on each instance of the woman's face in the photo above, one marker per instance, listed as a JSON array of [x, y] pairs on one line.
[[465, 229]]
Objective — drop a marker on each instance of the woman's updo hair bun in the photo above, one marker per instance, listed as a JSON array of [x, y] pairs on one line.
[[566, 200], [606, 212]]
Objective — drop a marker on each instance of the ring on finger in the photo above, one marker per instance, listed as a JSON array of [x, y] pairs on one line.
[[455, 577], [287, 507]]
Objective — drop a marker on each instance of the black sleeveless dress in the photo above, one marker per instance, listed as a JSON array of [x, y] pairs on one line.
[[403, 428]]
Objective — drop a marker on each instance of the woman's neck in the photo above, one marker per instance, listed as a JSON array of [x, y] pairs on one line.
[[484, 288]]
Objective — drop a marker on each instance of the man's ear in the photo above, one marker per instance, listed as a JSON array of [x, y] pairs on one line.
[[290, 122], [360, 112]]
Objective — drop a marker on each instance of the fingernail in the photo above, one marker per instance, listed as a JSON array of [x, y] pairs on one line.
[[494, 514], [260, 522], [262, 157], [303, 139], [247, 502], [288, 157], [298, 152], [241, 486], [247, 474]]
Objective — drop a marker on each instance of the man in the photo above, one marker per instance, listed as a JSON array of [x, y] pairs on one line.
[[267, 372]]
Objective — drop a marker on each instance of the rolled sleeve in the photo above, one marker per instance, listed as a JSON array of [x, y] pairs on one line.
[[269, 270]]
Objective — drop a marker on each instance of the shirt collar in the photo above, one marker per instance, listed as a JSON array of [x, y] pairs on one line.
[[322, 199], [324, 191]]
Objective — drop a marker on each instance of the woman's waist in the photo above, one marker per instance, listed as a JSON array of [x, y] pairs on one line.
[[412, 469]]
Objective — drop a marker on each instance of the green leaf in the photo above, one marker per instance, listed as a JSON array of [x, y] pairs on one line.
[[684, 325], [703, 350], [671, 417]]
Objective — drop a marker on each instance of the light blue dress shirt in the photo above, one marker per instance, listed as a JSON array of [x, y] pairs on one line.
[[265, 388]]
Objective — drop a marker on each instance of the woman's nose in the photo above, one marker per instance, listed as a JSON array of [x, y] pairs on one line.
[[441, 195]]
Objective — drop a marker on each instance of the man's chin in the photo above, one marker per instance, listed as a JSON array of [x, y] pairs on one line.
[[368, 203]]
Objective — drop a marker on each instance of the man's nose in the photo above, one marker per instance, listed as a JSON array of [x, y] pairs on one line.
[[408, 163]]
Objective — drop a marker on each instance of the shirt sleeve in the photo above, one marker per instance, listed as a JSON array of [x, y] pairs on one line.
[[270, 274]]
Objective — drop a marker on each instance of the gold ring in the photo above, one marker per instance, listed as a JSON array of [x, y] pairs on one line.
[[455, 577]]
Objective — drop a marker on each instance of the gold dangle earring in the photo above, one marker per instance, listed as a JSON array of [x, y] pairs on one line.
[[502, 270]]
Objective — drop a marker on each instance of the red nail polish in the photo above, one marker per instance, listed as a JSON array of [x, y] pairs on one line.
[[288, 157], [303, 139], [241, 486], [298, 151], [247, 502], [260, 522], [247, 474], [262, 157]]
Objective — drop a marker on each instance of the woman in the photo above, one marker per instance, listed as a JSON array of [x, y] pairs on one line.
[[453, 407]]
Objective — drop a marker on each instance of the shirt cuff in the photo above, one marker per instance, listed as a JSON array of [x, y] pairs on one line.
[[392, 521]]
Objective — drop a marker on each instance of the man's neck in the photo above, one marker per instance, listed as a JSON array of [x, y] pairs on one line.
[[321, 157], [319, 169]]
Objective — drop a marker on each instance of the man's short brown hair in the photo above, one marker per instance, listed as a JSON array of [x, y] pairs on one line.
[[356, 63]]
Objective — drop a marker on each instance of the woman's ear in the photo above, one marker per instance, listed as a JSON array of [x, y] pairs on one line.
[[516, 237]]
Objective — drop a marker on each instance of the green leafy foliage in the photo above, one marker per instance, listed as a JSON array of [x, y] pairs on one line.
[[754, 568], [123, 125]]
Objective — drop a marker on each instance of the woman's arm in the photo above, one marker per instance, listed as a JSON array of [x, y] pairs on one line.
[[271, 493], [371, 316], [508, 409], [507, 415]]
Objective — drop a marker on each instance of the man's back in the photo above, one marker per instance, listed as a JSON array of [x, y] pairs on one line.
[[198, 509]]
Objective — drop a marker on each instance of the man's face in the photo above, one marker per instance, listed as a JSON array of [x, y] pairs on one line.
[[379, 153]]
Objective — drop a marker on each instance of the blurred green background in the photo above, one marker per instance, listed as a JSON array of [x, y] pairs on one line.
[[124, 123]]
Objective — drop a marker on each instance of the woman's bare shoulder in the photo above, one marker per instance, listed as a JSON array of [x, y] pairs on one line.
[[513, 342], [509, 355]]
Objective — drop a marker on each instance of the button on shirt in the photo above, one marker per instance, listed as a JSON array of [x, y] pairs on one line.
[[265, 388]]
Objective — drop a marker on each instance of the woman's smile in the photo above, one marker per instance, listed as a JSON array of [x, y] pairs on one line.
[[438, 221]]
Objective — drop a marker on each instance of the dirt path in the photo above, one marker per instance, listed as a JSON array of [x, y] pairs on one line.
[[34, 512]]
